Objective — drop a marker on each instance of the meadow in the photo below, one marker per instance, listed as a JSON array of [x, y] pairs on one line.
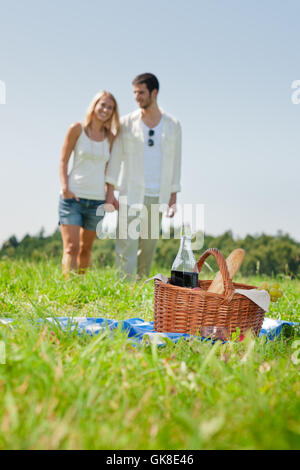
[[61, 390]]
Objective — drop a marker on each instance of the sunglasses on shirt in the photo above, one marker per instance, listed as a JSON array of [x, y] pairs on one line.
[[151, 141]]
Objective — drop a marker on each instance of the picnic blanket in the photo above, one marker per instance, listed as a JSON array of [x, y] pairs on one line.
[[140, 330]]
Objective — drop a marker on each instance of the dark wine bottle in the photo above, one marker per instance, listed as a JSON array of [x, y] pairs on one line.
[[184, 272]]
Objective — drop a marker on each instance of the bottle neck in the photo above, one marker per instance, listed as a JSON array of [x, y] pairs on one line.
[[186, 243]]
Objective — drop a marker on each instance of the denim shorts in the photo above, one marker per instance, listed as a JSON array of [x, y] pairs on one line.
[[82, 212]]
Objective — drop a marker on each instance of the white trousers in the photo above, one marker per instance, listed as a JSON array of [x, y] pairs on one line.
[[137, 237]]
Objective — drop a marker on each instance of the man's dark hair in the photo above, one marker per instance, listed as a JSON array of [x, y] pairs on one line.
[[149, 79]]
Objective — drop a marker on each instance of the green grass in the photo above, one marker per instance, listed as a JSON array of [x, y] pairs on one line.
[[59, 390]]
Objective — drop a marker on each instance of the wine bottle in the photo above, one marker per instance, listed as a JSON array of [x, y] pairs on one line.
[[184, 272]]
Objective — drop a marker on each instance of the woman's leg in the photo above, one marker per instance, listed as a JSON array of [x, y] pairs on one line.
[[87, 238], [70, 236]]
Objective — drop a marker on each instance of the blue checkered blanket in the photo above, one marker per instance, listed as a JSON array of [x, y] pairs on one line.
[[140, 330]]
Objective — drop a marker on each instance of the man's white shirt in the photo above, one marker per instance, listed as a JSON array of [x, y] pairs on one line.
[[128, 153], [152, 158]]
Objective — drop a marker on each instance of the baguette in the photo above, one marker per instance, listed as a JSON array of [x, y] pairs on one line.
[[233, 261]]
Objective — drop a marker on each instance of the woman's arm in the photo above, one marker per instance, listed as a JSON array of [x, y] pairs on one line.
[[68, 147]]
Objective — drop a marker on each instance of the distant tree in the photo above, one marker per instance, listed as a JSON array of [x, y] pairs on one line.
[[12, 241], [265, 254]]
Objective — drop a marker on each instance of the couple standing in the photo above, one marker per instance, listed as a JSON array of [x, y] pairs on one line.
[[140, 155]]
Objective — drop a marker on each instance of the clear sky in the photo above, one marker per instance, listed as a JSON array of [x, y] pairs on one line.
[[225, 68]]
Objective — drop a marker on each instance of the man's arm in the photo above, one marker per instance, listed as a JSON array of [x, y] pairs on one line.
[[115, 160], [113, 170], [111, 202], [172, 205], [175, 184]]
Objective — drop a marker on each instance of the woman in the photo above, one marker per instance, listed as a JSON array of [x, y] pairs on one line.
[[83, 190]]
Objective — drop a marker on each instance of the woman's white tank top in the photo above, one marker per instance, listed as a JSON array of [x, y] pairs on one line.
[[86, 179]]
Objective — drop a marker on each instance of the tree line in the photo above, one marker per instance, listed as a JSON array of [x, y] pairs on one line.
[[265, 254]]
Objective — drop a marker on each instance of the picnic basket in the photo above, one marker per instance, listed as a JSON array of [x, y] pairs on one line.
[[184, 310]]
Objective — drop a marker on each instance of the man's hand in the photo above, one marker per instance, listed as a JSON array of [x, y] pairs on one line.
[[116, 203], [111, 203], [172, 205]]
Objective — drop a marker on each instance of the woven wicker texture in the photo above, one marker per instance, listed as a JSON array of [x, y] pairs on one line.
[[183, 310]]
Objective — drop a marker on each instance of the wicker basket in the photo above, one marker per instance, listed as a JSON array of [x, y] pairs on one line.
[[183, 310]]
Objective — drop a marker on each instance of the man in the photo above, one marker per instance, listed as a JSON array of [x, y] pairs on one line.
[[148, 148]]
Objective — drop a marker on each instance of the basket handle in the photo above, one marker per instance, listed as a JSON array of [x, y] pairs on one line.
[[227, 281]]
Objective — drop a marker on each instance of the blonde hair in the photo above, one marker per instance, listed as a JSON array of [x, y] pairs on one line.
[[113, 124]]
